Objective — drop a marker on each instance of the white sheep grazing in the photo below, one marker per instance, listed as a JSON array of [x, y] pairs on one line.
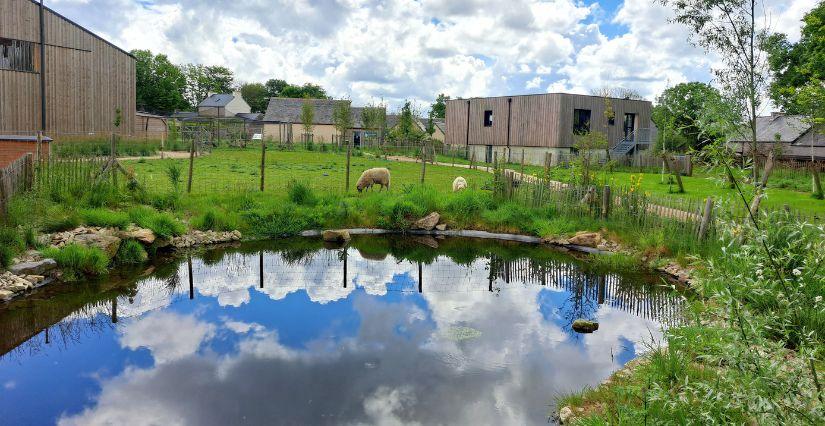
[[376, 176], [459, 183]]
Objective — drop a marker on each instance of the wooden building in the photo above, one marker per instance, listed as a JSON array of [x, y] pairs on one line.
[[545, 123], [150, 126], [282, 121], [86, 78]]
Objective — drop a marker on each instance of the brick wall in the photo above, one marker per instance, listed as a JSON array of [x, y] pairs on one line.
[[12, 150]]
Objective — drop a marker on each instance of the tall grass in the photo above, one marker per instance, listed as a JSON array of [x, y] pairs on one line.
[[77, 261]]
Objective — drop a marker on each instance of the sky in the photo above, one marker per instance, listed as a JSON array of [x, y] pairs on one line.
[[396, 50]]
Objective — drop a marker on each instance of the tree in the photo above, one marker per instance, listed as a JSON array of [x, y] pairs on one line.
[[810, 100], [159, 84], [407, 131], [729, 28], [307, 117], [277, 88], [202, 80], [256, 96], [683, 114], [374, 118], [439, 108], [342, 118], [617, 92], [274, 87], [794, 65]]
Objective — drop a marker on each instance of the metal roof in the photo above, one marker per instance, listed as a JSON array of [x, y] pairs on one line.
[[288, 110], [218, 100]]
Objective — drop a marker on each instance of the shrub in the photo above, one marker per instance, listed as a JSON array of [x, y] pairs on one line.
[[397, 215], [300, 193], [131, 252], [214, 220], [468, 205], [163, 224], [105, 218], [77, 261], [174, 173]]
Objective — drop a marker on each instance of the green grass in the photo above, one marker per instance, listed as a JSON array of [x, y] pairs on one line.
[[163, 224], [131, 252], [77, 261], [105, 218]]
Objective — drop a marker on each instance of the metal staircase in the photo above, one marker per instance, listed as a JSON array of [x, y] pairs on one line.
[[624, 147], [627, 145]]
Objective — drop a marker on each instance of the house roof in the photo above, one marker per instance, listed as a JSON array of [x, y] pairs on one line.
[[218, 100], [18, 138], [251, 116], [288, 110], [183, 115], [148, 114], [788, 127]]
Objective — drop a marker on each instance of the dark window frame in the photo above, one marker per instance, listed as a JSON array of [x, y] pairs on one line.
[[581, 121], [18, 55], [488, 118], [629, 130]]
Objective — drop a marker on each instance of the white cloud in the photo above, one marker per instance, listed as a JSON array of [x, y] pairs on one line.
[[169, 336]]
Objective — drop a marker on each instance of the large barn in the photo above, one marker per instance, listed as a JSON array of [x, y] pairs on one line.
[[85, 79], [545, 123]]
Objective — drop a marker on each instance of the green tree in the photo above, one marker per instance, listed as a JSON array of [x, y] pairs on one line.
[[159, 84], [794, 65], [682, 115], [307, 117], [255, 95], [277, 88], [439, 108], [201, 80], [342, 118], [374, 118], [407, 130]]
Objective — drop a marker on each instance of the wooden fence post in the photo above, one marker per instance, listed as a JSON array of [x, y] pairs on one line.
[[423, 162], [39, 149], [688, 165], [547, 157], [346, 181], [454, 151], [816, 183], [191, 166], [522, 164], [473, 160], [606, 202], [113, 159], [2, 191], [29, 167], [706, 216], [263, 163]]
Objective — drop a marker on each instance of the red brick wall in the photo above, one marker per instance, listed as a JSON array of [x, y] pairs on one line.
[[12, 150]]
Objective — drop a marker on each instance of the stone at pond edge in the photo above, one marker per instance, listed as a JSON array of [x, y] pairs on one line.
[[565, 415], [334, 236], [145, 236], [441, 227], [428, 222], [585, 326], [33, 268], [104, 241], [426, 240], [586, 239]]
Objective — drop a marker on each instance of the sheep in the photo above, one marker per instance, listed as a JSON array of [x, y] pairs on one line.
[[376, 176], [459, 183]]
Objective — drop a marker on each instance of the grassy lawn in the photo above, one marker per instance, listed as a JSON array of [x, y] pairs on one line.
[[239, 169]]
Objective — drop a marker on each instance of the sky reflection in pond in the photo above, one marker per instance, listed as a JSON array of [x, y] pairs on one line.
[[472, 333]]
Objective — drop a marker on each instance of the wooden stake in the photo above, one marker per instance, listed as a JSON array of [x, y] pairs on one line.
[[263, 163], [817, 184], [191, 166], [606, 202], [522, 164], [423, 163], [704, 225], [349, 153]]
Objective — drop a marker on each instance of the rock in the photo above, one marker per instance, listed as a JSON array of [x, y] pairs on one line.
[[145, 236], [586, 239], [12, 283], [585, 326], [198, 238], [102, 240], [6, 295], [336, 236], [428, 222], [565, 415], [41, 267], [441, 227], [426, 240], [28, 256]]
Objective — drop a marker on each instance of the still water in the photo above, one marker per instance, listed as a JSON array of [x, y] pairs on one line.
[[387, 331]]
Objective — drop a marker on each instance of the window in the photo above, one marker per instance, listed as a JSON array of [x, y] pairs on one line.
[[581, 121], [17, 55], [488, 118]]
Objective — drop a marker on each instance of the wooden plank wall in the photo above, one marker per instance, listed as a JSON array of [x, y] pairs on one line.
[[497, 133], [535, 120], [599, 122], [456, 119], [87, 79]]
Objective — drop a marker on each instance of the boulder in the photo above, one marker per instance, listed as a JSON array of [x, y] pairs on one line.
[[13, 283], [441, 227], [6, 295], [102, 240], [41, 267], [200, 238], [428, 222], [586, 239], [338, 236], [585, 326], [145, 236], [565, 415]]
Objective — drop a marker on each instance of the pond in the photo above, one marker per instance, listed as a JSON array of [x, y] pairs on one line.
[[388, 330]]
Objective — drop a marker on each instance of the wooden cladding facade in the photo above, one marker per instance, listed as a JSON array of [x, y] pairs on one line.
[[540, 121], [87, 78]]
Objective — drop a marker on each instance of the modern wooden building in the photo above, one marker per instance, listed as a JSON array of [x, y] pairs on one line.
[[85, 79], [545, 123]]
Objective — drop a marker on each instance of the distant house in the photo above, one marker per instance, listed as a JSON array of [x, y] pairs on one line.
[[282, 120], [223, 105], [545, 124], [795, 136], [439, 126]]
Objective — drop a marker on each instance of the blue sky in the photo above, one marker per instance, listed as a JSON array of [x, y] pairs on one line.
[[394, 50]]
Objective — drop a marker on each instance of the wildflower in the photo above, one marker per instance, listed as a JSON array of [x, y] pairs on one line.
[[797, 272], [818, 299]]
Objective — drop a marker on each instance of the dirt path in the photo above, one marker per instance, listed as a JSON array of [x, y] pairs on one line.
[[175, 155]]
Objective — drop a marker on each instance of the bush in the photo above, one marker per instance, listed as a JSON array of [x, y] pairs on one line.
[[163, 224], [77, 261], [57, 220], [105, 218], [466, 206], [103, 194], [300, 193], [397, 215], [213, 220], [282, 222], [131, 252], [174, 173]]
